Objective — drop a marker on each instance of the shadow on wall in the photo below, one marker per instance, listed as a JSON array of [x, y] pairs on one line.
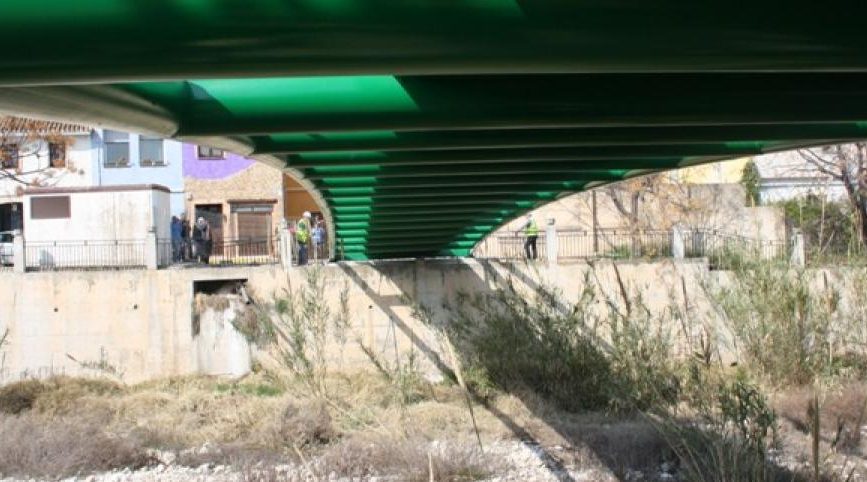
[[510, 330]]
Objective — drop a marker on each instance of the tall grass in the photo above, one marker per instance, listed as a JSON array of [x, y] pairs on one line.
[[789, 324], [579, 356]]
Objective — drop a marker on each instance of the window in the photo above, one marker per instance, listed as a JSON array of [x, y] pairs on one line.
[[116, 149], [56, 154], [151, 151], [9, 156], [210, 153], [49, 207]]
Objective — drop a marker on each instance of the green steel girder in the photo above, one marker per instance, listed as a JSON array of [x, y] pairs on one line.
[[387, 224], [445, 201], [330, 194], [101, 40], [422, 125], [568, 181], [303, 105], [607, 137], [381, 226], [628, 156], [512, 169]]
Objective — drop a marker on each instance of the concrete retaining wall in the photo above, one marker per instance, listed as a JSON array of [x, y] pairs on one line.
[[139, 323]]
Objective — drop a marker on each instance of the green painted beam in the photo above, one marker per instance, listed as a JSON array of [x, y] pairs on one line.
[[440, 192], [639, 156], [565, 181], [387, 224], [446, 201], [101, 40], [322, 104], [580, 168], [608, 137], [380, 213], [356, 227]]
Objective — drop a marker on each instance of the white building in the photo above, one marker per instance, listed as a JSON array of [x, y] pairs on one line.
[[93, 226], [42, 154], [787, 175]]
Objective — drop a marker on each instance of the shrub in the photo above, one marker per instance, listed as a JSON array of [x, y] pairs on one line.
[[19, 396], [36, 447], [306, 425], [521, 345], [516, 343], [783, 326]]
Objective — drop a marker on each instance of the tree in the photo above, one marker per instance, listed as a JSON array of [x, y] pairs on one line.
[[31, 150], [846, 163]]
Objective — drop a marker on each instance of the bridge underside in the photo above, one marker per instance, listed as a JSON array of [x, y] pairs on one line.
[[423, 125]]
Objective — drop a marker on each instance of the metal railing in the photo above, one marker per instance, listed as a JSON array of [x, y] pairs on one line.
[[85, 254], [624, 244], [234, 252]]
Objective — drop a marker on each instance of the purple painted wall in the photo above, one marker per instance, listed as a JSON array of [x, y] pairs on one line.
[[212, 169]]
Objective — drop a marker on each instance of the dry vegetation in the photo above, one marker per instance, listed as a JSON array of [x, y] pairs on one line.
[[532, 369]]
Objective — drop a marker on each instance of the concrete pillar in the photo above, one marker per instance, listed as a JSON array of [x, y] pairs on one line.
[[18, 259], [551, 241], [678, 248], [284, 244], [799, 250], [151, 250]]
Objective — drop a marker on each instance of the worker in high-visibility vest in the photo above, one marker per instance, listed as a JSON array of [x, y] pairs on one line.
[[302, 237], [531, 233]]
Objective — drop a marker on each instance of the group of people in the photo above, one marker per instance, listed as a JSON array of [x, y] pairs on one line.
[[191, 243], [309, 234]]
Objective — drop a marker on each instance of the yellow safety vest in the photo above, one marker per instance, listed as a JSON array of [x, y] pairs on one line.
[[302, 232], [532, 229]]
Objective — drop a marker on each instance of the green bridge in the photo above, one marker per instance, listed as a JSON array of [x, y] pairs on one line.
[[423, 125]]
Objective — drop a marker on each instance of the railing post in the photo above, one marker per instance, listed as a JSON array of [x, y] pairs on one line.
[[285, 245], [678, 248], [18, 259], [799, 252], [151, 250], [551, 241]]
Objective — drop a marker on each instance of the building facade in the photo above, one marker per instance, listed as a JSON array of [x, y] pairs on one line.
[[242, 199]]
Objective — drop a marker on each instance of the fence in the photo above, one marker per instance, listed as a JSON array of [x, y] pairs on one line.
[[108, 254], [621, 244], [234, 252]]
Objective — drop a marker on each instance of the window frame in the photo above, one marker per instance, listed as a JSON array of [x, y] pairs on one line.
[[149, 162], [14, 160], [52, 157], [118, 141], [38, 212], [206, 153]]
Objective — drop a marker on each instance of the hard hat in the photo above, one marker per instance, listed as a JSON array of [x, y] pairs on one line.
[[306, 214]]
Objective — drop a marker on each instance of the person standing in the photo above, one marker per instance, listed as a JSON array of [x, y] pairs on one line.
[[185, 239], [202, 240], [302, 237], [319, 239], [175, 231], [531, 233]]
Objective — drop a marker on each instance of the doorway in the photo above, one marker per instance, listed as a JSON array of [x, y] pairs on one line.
[[11, 217]]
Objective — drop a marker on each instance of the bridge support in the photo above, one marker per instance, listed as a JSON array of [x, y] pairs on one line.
[[551, 242], [284, 245], [151, 251], [19, 264], [678, 248], [799, 252]]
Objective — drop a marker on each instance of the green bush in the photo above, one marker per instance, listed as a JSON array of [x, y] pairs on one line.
[[514, 343], [783, 327]]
